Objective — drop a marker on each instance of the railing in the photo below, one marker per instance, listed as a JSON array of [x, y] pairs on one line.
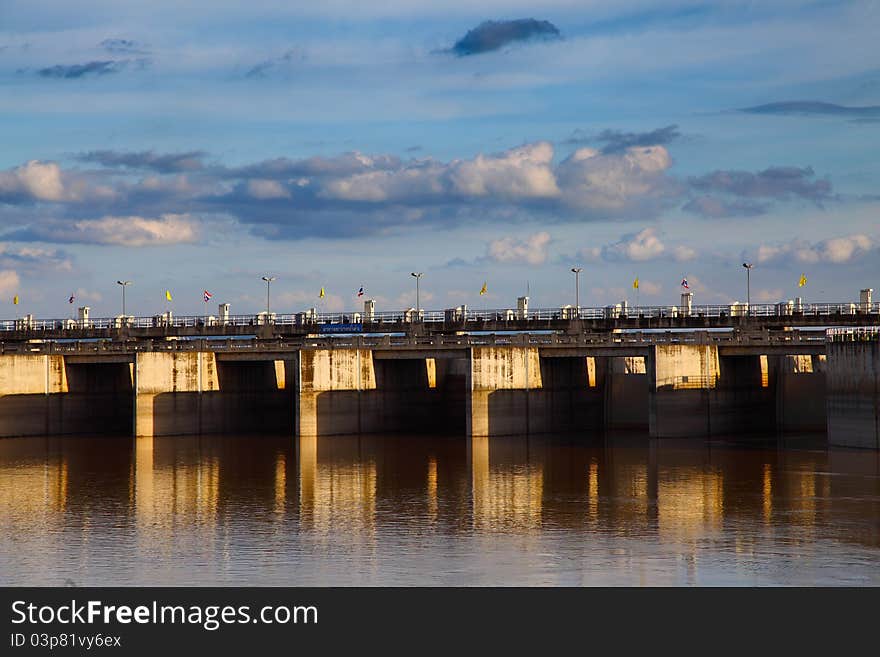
[[449, 317], [854, 334], [633, 339]]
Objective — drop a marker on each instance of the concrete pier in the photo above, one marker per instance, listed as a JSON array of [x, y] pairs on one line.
[[853, 375], [672, 385]]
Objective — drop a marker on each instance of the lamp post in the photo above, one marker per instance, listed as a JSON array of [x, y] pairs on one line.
[[417, 275], [748, 266], [268, 280], [577, 289], [124, 285]]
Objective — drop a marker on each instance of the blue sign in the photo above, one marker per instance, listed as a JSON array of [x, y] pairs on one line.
[[340, 328]]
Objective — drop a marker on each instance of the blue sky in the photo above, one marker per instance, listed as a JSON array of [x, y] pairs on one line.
[[201, 145]]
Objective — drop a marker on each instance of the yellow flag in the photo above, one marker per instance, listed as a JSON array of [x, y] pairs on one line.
[[321, 295], [15, 299], [636, 283], [167, 295], [803, 280], [483, 289]]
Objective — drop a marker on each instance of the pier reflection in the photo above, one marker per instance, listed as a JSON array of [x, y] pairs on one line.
[[412, 509]]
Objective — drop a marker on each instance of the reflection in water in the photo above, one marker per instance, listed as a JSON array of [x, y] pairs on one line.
[[420, 510]]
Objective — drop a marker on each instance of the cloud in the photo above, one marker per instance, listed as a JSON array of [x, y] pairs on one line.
[[163, 163], [644, 245], [531, 251], [73, 71], [813, 108], [34, 260], [275, 64], [356, 194], [9, 281], [117, 231], [267, 189], [836, 250], [613, 184], [123, 47], [616, 141], [639, 247], [36, 180], [768, 296], [494, 35], [716, 208], [771, 183], [519, 173]]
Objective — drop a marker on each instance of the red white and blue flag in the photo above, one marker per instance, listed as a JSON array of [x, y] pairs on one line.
[[684, 284], [361, 292], [208, 296]]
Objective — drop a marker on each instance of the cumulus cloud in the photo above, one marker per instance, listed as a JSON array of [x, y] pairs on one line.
[[836, 250], [34, 260], [358, 194], [531, 251], [37, 181], [267, 189], [494, 35], [117, 231], [641, 246], [644, 245], [618, 182]]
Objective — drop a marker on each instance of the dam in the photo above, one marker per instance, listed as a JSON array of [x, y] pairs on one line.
[[693, 383]]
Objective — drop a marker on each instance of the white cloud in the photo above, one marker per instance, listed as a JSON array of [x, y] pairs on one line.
[[123, 231], [267, 189], [836, 250], [38, 180], [644, 245], [9, 281], [532, 250], [613, 182]]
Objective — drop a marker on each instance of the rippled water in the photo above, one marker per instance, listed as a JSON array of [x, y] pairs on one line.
[[384, 510]]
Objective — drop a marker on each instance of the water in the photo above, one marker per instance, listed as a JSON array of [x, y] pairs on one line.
[[417, 510]]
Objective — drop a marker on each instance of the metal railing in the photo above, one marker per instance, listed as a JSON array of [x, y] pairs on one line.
[[854, 334], [633, 339], [447, 317]]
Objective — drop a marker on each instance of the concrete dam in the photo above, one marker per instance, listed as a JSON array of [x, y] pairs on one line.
[[690, 384]]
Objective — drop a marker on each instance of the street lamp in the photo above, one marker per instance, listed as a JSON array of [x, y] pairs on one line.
[[417, 275], [748, 266], [268, 280], [577, 289], [124, 285]]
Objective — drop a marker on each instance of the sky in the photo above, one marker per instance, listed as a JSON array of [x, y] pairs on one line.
[[196, 145]]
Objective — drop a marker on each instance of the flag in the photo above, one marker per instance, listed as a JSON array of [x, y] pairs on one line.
[[684, 284], [167, 295], [321, 294], [208, 296], [70, 300], [15, 299], [361, 292], [636, 283], [803, 280], [483, 289]]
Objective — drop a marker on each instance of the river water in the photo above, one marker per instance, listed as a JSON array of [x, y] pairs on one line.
[[417, 510]]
